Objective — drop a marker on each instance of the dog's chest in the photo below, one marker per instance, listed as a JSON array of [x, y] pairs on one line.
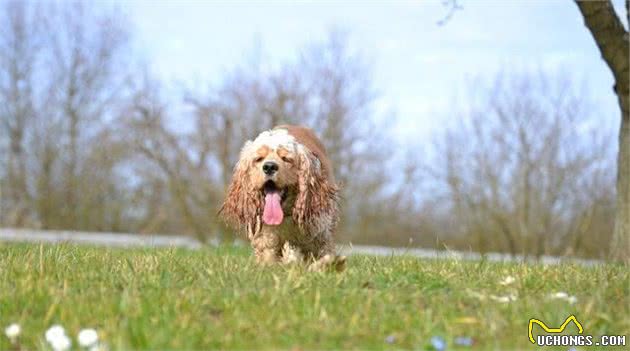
[[286, 231]]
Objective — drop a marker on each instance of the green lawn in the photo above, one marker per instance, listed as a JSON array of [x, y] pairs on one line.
[[219, 299]]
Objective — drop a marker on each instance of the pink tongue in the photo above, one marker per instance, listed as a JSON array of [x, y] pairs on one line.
[[272, 215]]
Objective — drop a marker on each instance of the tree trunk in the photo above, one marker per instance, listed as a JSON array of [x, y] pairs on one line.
[[612, 41], [620, 246]]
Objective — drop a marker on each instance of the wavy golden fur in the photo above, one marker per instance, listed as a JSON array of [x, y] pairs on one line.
[[304, 177]]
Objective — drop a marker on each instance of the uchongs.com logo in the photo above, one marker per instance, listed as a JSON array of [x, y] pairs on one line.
[[554, 338]]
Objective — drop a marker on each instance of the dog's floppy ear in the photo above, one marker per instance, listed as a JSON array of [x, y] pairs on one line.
[[316, 202], [242, 203]]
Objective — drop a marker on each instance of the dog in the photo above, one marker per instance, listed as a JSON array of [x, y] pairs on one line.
[[283, 195]]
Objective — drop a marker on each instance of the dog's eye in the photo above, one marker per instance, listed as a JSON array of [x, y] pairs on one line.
[[258, 159], [287, 160]]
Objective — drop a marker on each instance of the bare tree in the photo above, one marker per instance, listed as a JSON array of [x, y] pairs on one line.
[[178, 166], [20, 45], [62, 79], [87, 50], [612, 40], [524, 163]]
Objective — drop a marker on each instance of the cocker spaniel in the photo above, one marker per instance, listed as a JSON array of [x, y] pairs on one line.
[[284, 196]]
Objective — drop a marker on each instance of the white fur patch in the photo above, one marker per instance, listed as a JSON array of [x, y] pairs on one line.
[[291, 254], [273, 139]]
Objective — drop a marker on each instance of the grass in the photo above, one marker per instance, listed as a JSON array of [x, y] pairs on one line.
[[219, 299]]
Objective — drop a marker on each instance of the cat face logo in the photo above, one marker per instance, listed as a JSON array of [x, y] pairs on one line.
[[542, 324]]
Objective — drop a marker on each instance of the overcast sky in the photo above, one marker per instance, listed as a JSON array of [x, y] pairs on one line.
[[418, 65]]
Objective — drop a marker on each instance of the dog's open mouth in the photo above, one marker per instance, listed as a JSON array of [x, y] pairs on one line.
[[272, 213]]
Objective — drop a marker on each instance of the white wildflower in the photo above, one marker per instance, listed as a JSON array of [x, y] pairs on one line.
[[54, 332], [561, 295], [507, 280], [57, 338], [503, 299], [13, 331], [60, 343], [87, 338]]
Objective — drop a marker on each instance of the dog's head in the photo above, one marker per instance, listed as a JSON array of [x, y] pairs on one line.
[[275, 176]]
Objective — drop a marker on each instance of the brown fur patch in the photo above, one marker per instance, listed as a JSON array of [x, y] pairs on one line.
[[263, 151], [243, 202], [317, 195], [282, 152], [307, 137]]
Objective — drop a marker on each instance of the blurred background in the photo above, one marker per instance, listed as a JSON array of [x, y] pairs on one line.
[[484, 126]]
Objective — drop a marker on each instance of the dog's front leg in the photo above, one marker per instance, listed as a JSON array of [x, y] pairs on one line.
[[324, 255], [266, 247], [328, 262]]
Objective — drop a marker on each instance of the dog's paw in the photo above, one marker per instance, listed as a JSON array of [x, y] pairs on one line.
[[329, 262], [291, 254], [340, 263]]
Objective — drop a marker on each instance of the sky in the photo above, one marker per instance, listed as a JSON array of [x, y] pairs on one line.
[[418, 66]]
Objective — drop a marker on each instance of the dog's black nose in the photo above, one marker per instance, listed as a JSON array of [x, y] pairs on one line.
[[270, 168]]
